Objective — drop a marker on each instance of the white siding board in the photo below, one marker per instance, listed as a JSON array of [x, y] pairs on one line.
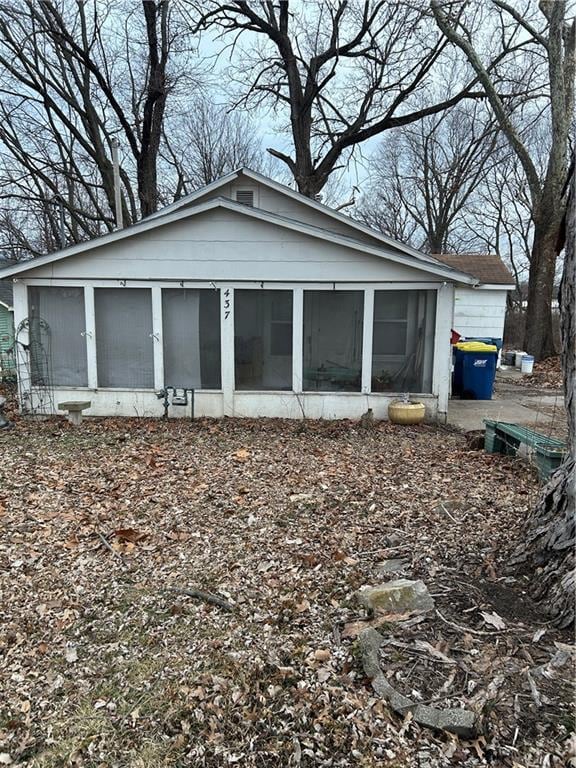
[[226, 246], [480, 313], [274, 201]]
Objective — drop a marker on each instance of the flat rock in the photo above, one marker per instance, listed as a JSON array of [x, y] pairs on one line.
[[459, 721], [398, 596]]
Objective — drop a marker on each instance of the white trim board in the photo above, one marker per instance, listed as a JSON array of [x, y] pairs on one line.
[[493, 287]]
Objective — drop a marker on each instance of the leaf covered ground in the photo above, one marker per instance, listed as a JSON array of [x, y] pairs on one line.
[[105, 661]]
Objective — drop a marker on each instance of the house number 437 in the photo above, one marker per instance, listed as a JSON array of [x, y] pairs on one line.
[[227, 304]]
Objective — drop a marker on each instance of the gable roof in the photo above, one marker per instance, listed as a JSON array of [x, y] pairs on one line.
[[487, 268], [152, 223], [394, 251], [259, 178]]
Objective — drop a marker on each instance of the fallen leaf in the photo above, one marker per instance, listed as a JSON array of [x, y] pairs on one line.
[[130, 535], [242, 454], [493, 619], [353, 629], [310, 560], [423, 645]]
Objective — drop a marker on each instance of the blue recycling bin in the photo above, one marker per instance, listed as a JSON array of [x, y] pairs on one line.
[[474, 370]]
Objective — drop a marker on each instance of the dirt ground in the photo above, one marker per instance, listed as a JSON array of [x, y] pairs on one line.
[[105, 660]]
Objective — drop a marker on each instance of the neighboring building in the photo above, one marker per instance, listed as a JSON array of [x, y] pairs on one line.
[[480, 311], [6, 329], [262, 301]]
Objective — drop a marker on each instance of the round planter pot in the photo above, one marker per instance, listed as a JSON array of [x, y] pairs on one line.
[[406, 413]]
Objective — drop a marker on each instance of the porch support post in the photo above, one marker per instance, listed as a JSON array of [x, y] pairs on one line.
[[90, 336], [442, 348], [20, 302], [21, 342], [227, 348], [297, 339], [367, 335], [157, 338]]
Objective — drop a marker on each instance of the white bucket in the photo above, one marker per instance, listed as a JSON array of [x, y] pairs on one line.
[[527, 364], [518, 359]]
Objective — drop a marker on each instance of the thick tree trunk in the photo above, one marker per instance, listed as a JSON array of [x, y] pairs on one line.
[[548, 549], [155, 15], [538, 336], [309, 182]]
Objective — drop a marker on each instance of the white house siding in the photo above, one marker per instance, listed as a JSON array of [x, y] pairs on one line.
[[480, 312], [274, 201], [226, 250], [224, 245]]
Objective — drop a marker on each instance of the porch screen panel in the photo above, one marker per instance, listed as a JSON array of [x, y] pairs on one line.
[[57, 344], [333, 323], [263, 340], [124, 344], [191, 331], [403, 341]]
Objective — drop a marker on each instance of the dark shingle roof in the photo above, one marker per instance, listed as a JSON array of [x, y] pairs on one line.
[[488, 268], [6, 292]]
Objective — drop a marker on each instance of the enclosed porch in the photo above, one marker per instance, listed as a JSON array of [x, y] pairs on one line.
[[317, 350]]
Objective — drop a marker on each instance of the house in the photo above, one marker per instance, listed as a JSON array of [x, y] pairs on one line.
[[6, 330], [480, 311], [251, 297]]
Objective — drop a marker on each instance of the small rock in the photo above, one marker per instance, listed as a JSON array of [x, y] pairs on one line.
[[71, 653], [393, 539], [398, 596]]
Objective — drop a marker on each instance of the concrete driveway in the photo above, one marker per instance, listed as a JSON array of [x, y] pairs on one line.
[[539, 409]]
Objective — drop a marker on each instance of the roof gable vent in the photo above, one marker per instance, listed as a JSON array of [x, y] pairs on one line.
[[245, 197]]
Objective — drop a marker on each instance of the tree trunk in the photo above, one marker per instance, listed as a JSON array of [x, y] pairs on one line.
[[548, 548], [538, 336], [154, 105]]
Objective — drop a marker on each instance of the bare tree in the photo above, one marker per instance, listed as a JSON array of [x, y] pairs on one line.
[[71, 80], [339, 72], [498, 220], [553, 37], [211, 141], [425, 177]]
